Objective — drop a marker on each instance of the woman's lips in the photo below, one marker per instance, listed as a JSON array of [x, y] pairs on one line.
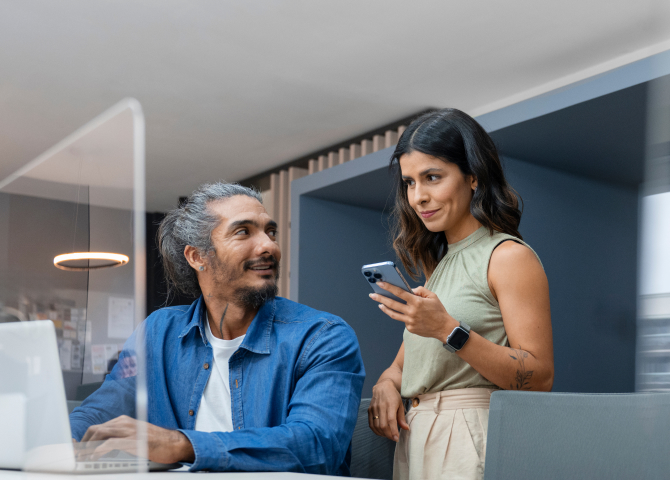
[[427, 213]]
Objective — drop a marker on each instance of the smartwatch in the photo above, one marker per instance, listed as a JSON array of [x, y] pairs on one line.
[[457, 338]]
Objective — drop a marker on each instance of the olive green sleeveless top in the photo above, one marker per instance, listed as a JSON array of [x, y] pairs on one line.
[[460, 281]]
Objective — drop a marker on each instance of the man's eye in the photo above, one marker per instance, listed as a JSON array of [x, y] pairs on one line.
[[432, 178], [272, 233], [242, 231]]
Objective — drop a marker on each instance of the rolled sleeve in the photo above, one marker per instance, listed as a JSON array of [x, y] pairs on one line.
[[210, 451]]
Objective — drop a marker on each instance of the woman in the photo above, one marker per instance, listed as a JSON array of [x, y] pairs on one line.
[[482, 321]]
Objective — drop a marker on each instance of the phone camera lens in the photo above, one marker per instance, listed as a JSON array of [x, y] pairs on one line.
[[366, 273], [378, 276], [372, 280]]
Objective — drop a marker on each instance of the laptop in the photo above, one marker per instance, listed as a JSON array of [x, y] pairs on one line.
[[34, 425]]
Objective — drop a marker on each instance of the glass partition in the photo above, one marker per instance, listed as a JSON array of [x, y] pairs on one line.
[[72, 252], [653, 360]]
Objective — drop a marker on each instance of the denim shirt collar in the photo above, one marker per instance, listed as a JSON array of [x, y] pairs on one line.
[[257, 338]]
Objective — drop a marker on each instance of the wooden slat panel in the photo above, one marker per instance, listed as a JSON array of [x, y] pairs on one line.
[[282, 221], [390, 138], [354, 151], [333, 159], [378, 143], [293, 174], [323, 162], [366, 147], [313, 166]]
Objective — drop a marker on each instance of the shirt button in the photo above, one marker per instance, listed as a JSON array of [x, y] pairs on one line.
[[206, 366], [191, 412], [415, 402]]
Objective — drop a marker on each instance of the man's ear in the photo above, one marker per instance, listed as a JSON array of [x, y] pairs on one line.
[[193, 257]]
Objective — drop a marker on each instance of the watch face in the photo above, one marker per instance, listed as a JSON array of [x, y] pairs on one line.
[[458, 338]]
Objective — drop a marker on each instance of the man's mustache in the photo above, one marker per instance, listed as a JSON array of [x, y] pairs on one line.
[[271, 260]]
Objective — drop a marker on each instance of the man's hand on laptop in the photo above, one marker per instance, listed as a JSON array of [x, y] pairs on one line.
[[163, 445]]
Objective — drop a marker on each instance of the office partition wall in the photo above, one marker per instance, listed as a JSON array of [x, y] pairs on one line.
[[577, 159]]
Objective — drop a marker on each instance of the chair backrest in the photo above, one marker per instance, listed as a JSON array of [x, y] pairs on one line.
[[535, 435], [85, 389], [72, 404], [372, 456]]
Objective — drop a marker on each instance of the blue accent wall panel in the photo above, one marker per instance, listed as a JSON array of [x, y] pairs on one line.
[[585, 233], [336, 240]]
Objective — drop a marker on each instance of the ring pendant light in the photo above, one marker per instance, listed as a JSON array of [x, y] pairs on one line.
[[89, 260], [81, 261]]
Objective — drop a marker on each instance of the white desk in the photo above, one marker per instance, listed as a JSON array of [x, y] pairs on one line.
[[174, 475]]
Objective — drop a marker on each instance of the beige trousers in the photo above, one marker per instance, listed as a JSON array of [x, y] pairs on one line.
[[447, 436]]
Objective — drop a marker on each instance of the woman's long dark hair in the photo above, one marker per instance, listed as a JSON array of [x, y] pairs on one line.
[[455, 137]]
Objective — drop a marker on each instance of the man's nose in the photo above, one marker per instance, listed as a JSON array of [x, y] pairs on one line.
[[267, 246]]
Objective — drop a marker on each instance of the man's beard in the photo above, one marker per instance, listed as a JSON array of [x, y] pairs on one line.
[[254, 298], [249, 297]]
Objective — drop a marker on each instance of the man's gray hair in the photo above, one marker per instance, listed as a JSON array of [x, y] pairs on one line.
[[192, 224]]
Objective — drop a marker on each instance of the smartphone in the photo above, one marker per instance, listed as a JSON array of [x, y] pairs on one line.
[[386, 272]]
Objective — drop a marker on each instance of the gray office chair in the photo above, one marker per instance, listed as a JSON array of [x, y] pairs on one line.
[[83, 391], [372, 456], [533, 435], [72, 404]]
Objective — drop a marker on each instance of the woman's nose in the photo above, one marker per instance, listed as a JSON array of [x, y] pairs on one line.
[[420, 195]]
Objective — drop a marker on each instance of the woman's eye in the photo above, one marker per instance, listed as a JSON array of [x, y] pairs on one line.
[[409, 183], [432, 178]]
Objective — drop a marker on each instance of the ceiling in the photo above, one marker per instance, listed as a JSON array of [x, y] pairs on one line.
[[233, 88]]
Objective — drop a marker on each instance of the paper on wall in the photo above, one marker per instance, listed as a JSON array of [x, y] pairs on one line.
[[101, 354], [98, 362], [66, 355], [81, 332], [120, 321], [77, 354]]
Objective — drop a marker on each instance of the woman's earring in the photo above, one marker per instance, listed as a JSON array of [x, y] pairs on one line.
[[201, 268]]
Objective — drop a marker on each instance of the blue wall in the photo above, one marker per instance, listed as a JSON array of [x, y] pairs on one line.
[[336, 240], [584, 231]]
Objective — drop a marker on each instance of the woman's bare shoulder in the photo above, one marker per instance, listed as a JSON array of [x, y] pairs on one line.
[[512, 261], [513, 253]]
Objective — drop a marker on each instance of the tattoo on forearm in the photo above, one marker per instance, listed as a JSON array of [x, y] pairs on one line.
[[224, 316], [523, 376]]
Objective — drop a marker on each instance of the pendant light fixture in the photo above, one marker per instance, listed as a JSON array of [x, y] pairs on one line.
[[79, 261], [82, 261]]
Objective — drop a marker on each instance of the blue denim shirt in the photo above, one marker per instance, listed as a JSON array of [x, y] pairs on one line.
[[295, 384]]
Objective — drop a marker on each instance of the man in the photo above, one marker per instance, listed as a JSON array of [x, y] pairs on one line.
[[239, 380]]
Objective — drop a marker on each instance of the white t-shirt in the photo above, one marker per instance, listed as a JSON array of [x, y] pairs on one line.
[[214, 414]]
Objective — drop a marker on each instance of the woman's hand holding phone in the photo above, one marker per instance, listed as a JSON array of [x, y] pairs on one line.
[[423, 312]]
